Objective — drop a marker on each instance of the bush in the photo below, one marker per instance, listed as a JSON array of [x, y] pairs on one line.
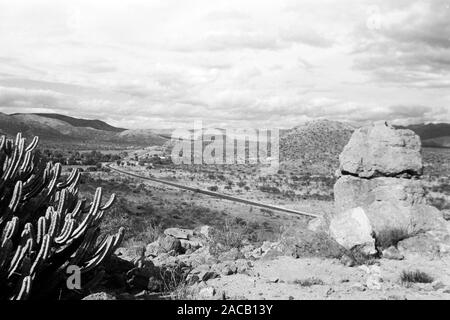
[[309, 282], [390, 237], [232, 235], [417, 276]]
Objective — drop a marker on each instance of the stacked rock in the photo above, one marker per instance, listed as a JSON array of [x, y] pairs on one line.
[[379, 193]]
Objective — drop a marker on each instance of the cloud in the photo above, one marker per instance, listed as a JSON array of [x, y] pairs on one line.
[[408, 45], [240, 62], [29, 98]]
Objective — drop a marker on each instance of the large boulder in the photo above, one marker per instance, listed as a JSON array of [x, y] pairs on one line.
[[353, 229], [381, 150], [410, 220], [351, 192], [378, 197], [431, 244]]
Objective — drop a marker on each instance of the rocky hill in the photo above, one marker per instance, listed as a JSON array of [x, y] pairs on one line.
[[315, 144], [76, 122]]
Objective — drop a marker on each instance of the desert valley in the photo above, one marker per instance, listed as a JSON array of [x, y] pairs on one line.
[[183, 243]]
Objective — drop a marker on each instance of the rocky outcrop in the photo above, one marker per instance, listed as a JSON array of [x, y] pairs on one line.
[[380, 150], [379, 194], [351, 229], [351, 192]]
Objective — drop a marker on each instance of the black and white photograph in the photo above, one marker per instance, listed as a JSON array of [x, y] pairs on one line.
[[223, 155]]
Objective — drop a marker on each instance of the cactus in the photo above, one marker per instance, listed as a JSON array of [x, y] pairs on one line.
[[44, 226]]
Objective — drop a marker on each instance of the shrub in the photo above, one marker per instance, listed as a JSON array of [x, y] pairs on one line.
[[233, 234], [269, 189], [44, 227], [390, 237], [417, 276], [309, 282]]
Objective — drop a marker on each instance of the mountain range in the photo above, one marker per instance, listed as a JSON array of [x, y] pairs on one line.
[[433, 134], [320, 137], [56, 128]]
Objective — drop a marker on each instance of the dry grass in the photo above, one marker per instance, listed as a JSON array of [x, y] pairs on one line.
[[417, 276], [390, 237], [309, 282]]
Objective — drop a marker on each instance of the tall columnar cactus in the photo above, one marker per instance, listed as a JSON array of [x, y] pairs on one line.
[[44, 226]]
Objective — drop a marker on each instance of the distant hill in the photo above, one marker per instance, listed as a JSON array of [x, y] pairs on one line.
[[316, 145], [56, 128], [94, 124], [432, 134]]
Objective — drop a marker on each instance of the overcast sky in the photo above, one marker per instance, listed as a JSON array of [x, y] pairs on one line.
[[259, 63]]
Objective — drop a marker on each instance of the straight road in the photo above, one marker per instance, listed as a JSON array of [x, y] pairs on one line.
[[216, 194]]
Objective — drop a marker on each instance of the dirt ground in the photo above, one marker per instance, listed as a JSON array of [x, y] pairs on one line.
[[288, 278]]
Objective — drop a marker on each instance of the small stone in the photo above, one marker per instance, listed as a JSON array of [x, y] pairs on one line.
[[179, 233], [170, 243], [359, 286], [374, 282], [392, 253], [210, 275], [207, 292], [438, 285], [206, 231], [316, 225], [228, 271], [272, 254], [274, 280], [329, 292], [99, 296], [231, 255], [347, 261], [446, 214]]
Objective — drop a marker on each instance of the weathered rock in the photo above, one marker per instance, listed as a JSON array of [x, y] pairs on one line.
[[99, 296], [385, 216], [430, 244], [446, 214], [389, 204], [243, 265], [427, 218], [231, 255], [190, 244], [272, 254], [206, 231], [152, 249], [392, 253], [225, 268], [317, 225], [347, 261], [138, 278], [210, 275], [381, 150], [351, 192], [207, 293], [130, 254], [169, 243], [179, 233], [413, 220], [438, 285], [352, 229]]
